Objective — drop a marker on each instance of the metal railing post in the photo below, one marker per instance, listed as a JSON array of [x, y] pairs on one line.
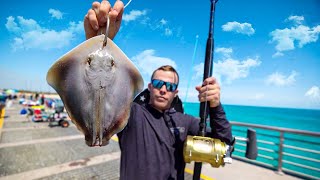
[[280, 153]]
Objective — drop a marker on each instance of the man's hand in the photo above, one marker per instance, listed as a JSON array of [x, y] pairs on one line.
[[209, 91], [95, 20]]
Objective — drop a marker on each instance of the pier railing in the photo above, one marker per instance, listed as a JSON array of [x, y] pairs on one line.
[[285, 150]]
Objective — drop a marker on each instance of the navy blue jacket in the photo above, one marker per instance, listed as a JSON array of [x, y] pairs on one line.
[[151, 148]]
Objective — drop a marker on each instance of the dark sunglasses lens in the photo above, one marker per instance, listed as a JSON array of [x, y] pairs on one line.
[[157, 83], [171, 86], [174, 87]]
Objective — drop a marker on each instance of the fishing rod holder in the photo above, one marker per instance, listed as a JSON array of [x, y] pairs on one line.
[[214, 151]]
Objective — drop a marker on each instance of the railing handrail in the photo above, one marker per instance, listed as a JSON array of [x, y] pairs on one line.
[[288, 130], [281, 145]]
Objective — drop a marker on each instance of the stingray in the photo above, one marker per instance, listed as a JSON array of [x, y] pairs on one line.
[[97, 84]]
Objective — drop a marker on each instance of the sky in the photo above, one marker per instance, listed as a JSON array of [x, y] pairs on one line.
[[266, 53]]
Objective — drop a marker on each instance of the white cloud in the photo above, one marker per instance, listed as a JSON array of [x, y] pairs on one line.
[[168, 32], [257, 96], [43, 39], [55, 13], [286, 38], [163, 21], [296, 19], [279, 79], [232, 69], [229, 69], [76, 27], [242, 28], [23, 25], [147, 62], [277, 54], [226, 52], [12, 26], [161, 25], [313, 93], [133, 15], [289, 38], [30, 35], [198, 69]]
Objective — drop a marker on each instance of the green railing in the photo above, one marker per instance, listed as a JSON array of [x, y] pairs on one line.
[[290, 151]]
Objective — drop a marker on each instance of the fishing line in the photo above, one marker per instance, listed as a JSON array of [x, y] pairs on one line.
[[190, 73], [127, 4]]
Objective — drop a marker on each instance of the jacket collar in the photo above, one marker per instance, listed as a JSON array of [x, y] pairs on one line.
[[155, 112]]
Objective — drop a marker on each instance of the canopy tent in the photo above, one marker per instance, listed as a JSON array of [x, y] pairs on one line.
[[10, 91]]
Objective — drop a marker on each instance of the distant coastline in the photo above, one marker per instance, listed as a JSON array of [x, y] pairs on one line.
[[28, 93], [55, 95]]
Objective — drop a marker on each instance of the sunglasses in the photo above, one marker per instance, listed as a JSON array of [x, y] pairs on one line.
[[156, 83]]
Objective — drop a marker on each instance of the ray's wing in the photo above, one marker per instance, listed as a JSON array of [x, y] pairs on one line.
[[98, 109]]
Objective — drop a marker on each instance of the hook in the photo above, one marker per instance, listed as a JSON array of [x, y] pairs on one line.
[[107, 28], [107, 32]]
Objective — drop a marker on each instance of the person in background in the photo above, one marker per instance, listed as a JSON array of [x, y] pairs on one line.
[[36, 97], [42, 99]]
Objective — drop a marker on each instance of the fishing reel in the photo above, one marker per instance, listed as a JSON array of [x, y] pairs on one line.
[[206, 149], [216, 152]]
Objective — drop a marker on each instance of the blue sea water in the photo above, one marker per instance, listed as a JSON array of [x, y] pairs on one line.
[[302, 119], [299, 119]]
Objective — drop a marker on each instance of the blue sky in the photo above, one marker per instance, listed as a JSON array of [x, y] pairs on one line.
[[267, 53]]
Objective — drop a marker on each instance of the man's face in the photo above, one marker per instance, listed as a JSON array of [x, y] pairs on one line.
[[161, 98]]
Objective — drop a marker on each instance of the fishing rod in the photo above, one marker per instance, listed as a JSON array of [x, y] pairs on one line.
[[206, 149], [204, 106]]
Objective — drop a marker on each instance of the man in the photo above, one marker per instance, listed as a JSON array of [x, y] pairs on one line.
[[152, 142]]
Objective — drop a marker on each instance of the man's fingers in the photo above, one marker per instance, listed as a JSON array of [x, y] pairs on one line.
[[97, 18], [116, 12], [209, 93], [210, 80], [103, 12], [118, 7], [95, 7], [115, 16], [209, 98], [92, 18], [208, 88], [88, 29]]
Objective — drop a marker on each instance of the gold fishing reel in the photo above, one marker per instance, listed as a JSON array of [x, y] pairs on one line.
[[206, 149]]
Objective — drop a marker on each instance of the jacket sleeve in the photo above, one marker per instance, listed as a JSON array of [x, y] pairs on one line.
[[193, 125], [220, 126]]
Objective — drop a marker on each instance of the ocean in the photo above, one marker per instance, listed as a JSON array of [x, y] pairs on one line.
[[299, 119], [302, 119]]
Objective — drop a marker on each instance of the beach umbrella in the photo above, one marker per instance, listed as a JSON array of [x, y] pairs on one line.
[[10, 91]]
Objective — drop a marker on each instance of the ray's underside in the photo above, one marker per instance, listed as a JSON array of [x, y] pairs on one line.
[[97, 86]]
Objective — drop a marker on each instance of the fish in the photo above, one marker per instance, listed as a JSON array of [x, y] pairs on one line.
[[97, 83]]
